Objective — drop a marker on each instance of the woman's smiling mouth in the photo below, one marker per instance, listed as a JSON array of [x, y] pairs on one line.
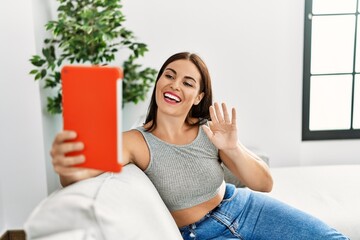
[[171, 98]]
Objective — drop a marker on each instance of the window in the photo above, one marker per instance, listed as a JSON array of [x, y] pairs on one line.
[[331, 84]]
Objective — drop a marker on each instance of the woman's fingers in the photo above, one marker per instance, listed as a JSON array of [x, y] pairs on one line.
[[64, 136], [213, 114], [67, 172], [222, 115], [218, 112], [63, 145], [64, 148], [64, 166], [68, 161], [233, 116], [226, 113], [60, 145], [70, 147]]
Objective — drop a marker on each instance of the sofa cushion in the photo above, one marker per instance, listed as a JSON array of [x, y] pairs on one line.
[[330, 193], [111, 206]]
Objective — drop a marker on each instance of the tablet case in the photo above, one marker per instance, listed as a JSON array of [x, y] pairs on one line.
[[91, 101]]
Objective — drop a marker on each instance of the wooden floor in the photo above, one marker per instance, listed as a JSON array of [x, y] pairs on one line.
[[13, 235]]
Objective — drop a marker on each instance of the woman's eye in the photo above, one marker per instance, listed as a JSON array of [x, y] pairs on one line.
[[169, 76], [188, 84]]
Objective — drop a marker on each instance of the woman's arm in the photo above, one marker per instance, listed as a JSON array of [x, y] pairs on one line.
[[245, 165], [248, 168], [63, 165]]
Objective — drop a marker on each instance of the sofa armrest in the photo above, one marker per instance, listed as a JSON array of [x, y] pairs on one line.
[[111, 206]]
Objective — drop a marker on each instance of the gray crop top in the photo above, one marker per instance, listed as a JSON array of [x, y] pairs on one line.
[[184, 175]]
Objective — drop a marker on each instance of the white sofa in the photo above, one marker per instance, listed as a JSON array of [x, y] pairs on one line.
[[127, 206], [331, 193], [110, 206]]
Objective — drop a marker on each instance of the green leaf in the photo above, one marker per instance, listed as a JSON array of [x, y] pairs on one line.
[[34, 71], [49, 83], [38, 76], [37, 61], [43, 73]]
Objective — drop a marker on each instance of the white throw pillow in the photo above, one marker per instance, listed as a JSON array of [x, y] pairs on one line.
[[111, 206]]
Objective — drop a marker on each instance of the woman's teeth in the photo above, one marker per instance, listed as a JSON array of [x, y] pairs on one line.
[[172, 97]]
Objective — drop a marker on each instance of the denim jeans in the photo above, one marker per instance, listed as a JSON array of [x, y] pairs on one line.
[[245, 214]]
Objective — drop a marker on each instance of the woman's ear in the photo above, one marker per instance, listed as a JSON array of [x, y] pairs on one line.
[[199, 98]]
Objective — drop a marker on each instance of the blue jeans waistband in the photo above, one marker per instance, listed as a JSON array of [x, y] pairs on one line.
[[229, 192]]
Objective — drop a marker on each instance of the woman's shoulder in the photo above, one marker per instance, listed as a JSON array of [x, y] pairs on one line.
[[135, 146], [133, 135], [135, 138]]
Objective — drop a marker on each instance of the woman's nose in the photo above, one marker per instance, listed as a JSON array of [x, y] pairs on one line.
[[175, 85]]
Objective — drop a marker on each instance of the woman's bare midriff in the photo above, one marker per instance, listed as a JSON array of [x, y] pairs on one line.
[[191, 215]]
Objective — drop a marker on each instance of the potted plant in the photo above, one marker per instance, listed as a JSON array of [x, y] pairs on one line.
[[91, 32]]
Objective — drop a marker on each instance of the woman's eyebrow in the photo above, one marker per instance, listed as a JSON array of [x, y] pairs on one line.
[[190, 78], [187, 77], [171, 70]]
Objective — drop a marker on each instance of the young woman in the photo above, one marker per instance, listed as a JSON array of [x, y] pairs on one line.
[[181, 151]]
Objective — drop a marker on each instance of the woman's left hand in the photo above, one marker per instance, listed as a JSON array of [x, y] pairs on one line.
[[222, 131]]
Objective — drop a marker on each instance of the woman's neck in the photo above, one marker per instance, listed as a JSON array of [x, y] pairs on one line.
[[172, 128]]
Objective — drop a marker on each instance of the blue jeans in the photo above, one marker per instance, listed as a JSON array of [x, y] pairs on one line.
[[245, 214]]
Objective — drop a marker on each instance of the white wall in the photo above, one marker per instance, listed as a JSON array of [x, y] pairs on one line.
[[43, 11], [254, 52], [22, 172], [2, 214]]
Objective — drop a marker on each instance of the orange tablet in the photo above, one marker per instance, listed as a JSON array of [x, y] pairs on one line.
[[91, 101]]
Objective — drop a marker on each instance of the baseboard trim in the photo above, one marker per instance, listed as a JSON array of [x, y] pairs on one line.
[[13, 235]]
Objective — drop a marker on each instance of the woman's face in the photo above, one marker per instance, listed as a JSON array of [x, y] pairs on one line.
[[178, 88]]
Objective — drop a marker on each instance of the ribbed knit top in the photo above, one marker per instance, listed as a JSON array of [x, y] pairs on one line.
[[184, 175]]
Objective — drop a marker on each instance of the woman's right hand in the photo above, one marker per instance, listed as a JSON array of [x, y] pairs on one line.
[[64, 165]]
